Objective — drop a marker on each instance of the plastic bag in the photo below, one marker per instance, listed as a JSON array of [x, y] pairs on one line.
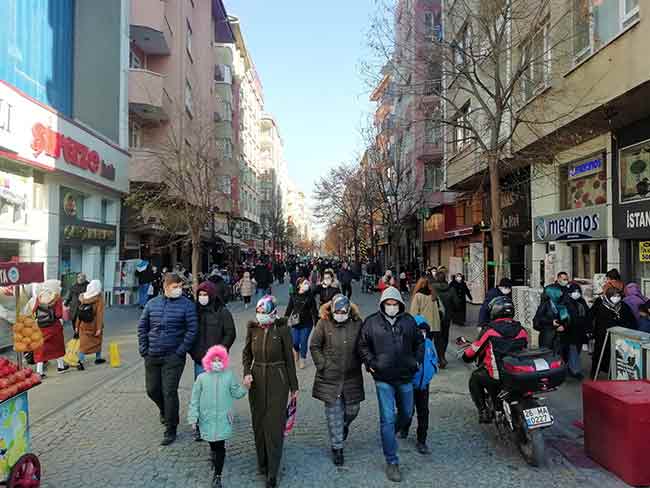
[[71, 357], [292, 409]]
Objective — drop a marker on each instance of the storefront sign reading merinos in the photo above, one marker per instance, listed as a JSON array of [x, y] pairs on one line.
[[588, 223]]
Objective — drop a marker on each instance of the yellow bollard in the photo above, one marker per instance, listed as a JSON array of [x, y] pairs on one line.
[[114, 355]]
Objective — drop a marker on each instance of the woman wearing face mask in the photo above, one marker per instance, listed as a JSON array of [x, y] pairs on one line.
[[551, 319], [339, 380], [577, 327], [270, 371], [608, 311], [447, 296], [246, 288], [302, 305], [459, 313], [216, 325]]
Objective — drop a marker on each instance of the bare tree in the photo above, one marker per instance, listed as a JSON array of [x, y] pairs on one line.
[[495, 71], [185, 183], [339, 201]]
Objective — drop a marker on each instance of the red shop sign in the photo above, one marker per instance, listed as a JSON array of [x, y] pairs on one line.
[[20, 273], [54, 144]]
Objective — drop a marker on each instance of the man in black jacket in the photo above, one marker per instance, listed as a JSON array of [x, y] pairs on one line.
[[392, 350], [345, 278]]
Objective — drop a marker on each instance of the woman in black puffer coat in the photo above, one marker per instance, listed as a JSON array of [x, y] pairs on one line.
[[577, 327], [302, 304]]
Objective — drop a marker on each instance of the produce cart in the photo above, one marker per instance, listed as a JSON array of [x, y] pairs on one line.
[[19, 468]]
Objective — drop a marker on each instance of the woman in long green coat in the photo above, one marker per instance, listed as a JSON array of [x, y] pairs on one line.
[[270, 371], [210, 411]]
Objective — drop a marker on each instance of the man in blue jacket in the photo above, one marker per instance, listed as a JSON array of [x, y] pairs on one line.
[[166, 332]]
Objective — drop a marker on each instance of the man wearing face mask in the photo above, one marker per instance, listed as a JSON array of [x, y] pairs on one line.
[[328, 287], [166, 333], [608, 311], [503, 290], [339, 380], [345, 278], [562, 281], [392, 349]]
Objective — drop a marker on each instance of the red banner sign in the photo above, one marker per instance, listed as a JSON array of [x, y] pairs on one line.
[[21, 273]]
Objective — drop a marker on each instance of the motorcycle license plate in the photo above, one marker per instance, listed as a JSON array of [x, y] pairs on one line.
[[538, 417]]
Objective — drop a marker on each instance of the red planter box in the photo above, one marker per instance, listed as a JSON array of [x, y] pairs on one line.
[[617, 427]]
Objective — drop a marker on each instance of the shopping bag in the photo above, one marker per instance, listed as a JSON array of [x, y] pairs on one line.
[[71, 357], [292, 409], [150, 290], [66, 314]]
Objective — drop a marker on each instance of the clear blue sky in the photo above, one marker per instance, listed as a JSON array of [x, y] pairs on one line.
[[307, 54]]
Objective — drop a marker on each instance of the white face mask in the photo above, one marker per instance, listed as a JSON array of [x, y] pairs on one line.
[[327, 282], [575, 295], [391, 310], [304, 288], [217, 366], [459, 279], [341, 317], [204, 300], [505, 291], [264, 318], [615, 299], [175, 293]]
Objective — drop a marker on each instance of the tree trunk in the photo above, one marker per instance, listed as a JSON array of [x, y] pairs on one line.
[[196, 257], [496, 219], [372, 240]]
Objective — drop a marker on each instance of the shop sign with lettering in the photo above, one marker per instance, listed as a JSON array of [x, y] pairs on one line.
[[588, 223], [586, 168], [35, 134]]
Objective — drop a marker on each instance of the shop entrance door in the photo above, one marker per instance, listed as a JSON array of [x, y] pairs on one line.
[[588, 259]]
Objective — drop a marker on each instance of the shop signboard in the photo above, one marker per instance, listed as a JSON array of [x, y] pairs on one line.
[[634, 171], [579, 224], [37, 135], [75, 230], [20, 273], [632, 220], [644, 251], [627, 358]]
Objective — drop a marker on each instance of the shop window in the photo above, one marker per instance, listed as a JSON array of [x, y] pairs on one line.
[[537, 62], [105, 211], [583, 183], [588, 259], [634, 162]]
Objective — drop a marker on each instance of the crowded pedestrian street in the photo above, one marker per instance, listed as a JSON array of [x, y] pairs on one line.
[[110, 435]]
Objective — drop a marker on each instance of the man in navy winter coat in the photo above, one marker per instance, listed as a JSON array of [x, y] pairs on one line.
[[504, 289], [166, 333]]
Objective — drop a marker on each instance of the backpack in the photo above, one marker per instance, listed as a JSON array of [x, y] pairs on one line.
[[86, 312], [45, 316], [429, 367]]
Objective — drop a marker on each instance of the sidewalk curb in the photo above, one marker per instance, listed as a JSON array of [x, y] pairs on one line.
[[89, 395]]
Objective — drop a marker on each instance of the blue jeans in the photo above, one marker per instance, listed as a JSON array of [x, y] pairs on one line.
[[574, 359], [198, 369], [82, 356], [391, 398], [143, 294], [301, 340]]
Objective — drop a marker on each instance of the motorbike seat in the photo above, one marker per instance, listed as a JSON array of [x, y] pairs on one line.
[[531, 353]]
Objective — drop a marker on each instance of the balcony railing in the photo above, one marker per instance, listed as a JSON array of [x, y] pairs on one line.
[[149, 29], [146, 94]]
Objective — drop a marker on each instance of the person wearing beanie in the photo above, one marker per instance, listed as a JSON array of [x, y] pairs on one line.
[[339, 379], [90, 323], [210, 412], [504, 289], [421, 381], [48, 310], [391, 348], [608, 311], [270, 371]]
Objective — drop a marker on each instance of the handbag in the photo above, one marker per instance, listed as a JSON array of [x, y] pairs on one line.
[[150, 290], [294, 319], [292, 409]]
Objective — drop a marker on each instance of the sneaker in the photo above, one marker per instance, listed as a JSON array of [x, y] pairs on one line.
[[168, 438], [422, 448], [63, 369], [216, 481], [100, 361], [337, 456], [484, 417], [80, 367], [392, 473]]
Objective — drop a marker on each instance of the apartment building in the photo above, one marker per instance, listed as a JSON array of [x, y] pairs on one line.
[[63, 135], [298, 213], [273, 170], [180, 82], [582, 158]]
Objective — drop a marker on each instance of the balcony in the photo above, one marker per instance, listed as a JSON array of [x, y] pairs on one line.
[[146, 95], [142, 166], [149, 29]]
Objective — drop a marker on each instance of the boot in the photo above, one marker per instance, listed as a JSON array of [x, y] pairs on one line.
[[422, 448], [484, 416], [80, 366], [216, 481], [271, 482], [197, 435], [337, 455], [169, 437], [392, 473]]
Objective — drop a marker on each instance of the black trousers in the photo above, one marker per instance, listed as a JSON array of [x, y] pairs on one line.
[[162, 376], [218, 449], [421, 398], [441, 339], [346, 289], [480, 381]]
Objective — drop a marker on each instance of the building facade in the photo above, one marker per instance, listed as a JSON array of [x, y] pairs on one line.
[[63, 131]]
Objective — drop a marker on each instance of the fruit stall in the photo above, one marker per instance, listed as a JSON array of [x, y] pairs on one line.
[[19, 468]]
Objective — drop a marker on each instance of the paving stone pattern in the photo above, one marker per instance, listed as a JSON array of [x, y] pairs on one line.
[[110, 438]]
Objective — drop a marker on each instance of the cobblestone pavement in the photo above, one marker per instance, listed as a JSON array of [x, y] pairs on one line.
[[110, 437]]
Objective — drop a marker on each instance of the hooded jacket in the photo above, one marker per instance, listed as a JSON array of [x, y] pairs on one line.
[[216, 325], [448, 296], [392, 348], [634, 298], [333, 347]]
